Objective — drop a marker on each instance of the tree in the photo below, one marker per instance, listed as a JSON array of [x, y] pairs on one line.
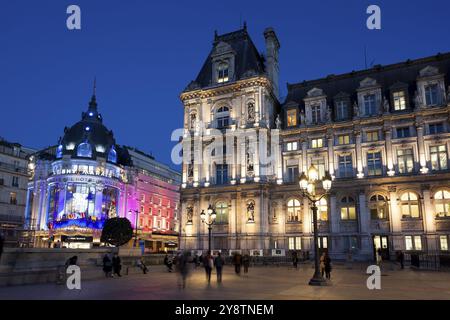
[[117, 231]]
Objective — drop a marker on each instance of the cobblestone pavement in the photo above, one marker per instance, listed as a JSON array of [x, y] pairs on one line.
[[260, 283]]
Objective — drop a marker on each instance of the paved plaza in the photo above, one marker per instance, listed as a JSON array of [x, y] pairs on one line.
[[261, 283]]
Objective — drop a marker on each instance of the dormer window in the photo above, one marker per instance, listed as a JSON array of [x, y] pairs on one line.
[[315, 114], [370, 107], [222, 73], [112, 155], [341, 110], [84, 150], [431, 94], [291, 118], [223, 117], [59, 151], [399, 100]]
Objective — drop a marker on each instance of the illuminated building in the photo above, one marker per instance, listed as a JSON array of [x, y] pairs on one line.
[[88, 178], [382, 133]]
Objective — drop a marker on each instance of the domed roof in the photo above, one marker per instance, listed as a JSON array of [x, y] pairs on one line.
[[89, 138]]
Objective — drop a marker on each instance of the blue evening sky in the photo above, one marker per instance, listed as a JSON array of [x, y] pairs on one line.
[[144, 53]]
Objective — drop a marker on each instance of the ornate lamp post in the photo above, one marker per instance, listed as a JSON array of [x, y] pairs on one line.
[[135, 224], [307, 184], [209, 220]]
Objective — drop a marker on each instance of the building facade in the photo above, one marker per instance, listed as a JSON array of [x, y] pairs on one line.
[[13, 188], [88, 178], [382, 133]]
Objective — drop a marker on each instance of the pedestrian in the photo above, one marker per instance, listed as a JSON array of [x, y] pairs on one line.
[[116, 264], [401, 258], [168, 263], [107, 266], [219, 262], [141, 264], [2, 243], [327, 266], [183, 268], [378, 257], [237, 260], [72, 261], [207, 264], [295, 259], [322, 264], [246, 262]]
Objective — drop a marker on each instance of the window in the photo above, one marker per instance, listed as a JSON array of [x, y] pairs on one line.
[[322, 242], [378, 207], [292, 117], [15, 181], [372, 136], [221, 212], [2, 181], [294, 209], [405, 161], [443, 241], [344, 139], [341, 110], [348, 209], [413, 243], [434, 128], [13, 198], [399, 100], [438, 155], [315, 114], [112, 156], [223, 117], [84, 150], [409, 204], [316, 143], [370, 107], [319, 163], [431, 94], [403, 132], [292, 173], [322, 210], [222, 73], [345, 166], [295, 243], [221, 174], [292, 146], [374, 163], [59, 151], [442, 203]]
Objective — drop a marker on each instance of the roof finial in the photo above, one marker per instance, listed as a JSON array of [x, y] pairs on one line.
[[93, 102], [95, 86], [215, 35], [245, 25]]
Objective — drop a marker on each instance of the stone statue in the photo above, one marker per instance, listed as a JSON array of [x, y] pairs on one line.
[[190, 170], [189, 213], [355, 109], [418, 101], [251, 112], [302, 117], [385, 105], [328, 113], [251, 211], [278, 122], [249, 158], [193, 121]]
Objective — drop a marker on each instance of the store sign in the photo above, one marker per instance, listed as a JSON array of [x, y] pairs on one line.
[[76, 239]]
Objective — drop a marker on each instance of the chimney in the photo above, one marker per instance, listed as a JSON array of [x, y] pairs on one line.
[[272, 48]]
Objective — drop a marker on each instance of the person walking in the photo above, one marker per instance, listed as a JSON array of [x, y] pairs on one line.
[[237, 259], [116, 264], [141, 264], [107, 266], [327, 266], [379, 257], [246, 262], [322, 264], [401, 258], [219, 262], [168, 263], [183, 268], [207, 264], [295, 259], [2, 243]]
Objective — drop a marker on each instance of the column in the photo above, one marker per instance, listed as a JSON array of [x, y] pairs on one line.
[[396, 219], [364, 225], [256, 157], [359, 165], [389, 162], [305, 155], [330, 154], [421, 147]]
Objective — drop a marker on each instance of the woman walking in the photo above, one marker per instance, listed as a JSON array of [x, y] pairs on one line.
[[327, 266]]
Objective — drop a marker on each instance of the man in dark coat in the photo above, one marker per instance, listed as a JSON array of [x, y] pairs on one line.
[[116, 264], [107, 265]]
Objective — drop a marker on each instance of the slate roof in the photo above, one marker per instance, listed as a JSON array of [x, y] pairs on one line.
[[405, 73], [247, 58]]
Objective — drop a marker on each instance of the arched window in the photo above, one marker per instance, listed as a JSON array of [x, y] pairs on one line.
[[348, 209], [293, 210], [378, 207], [223, 117], [84, 150], [442, 203], [222, 72], [221, 212], [59, 151], [322, 210], [112, 155], [409, 204]]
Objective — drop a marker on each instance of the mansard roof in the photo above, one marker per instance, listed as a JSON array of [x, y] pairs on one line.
[[248, 61], [387, 77]]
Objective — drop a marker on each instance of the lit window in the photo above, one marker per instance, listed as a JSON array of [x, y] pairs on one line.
[[84, 150], [294, 210], [344, 139], [348, 209], [434, 128], [316, 143], [442, 203], [409, 204], [291, 243], [221, 212], [222, 73], [13, 198], [405, 160], [374, 165], [399, 100], [443, 240], [438, 157], [295, 243], [315, 114], [292, 146], [413, 243], [319, 164], [370, 107], [291, 117], [372, 136], [378, 207], [322, 242], [431, 94], [112, 156], [322, 210], [59, 151]]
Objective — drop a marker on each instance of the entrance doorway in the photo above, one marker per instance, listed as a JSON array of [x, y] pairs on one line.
[[381, 242]]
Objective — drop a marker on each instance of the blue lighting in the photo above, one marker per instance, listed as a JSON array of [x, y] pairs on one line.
[[87, 128], [81, 223], [91, 114]]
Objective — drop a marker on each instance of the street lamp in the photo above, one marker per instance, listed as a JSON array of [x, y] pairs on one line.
[[209, 218], [135, 224], [308, 187]]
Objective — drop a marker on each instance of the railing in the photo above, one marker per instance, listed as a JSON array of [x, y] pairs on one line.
[[13, 168], [432, 260]]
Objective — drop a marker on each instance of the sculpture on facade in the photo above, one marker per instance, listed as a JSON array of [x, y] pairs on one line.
[[302, 117], [251, 211], [355, 109], [189, 214], [251, 112], [193, 121], [278, 122], [418, 101], [249, 160], [328, 113], [385, 105]]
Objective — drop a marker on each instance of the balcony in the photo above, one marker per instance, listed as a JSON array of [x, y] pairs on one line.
[[348, 226], [380, 225], [411, 224], [13, 168], [442, 223]]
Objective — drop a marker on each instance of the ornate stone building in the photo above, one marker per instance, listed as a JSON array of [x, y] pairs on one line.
[[382, 133]]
